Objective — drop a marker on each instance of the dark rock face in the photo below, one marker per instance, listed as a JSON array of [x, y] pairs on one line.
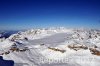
[[6, 62]]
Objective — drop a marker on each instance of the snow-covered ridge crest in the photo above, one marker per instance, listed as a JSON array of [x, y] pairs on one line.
[[38, 33]]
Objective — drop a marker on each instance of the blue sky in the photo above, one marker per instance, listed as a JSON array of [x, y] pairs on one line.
[[26, 14]]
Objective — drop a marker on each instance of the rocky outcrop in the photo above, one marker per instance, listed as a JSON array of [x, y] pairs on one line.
[[56, 49], [77, 47], [94, 51]]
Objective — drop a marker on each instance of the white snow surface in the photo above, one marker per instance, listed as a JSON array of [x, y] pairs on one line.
[[39, 40]]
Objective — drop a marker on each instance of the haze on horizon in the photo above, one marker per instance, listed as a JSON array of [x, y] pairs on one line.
[[27, 14]]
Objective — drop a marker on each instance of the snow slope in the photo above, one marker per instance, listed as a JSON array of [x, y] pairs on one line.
[[53, 47]]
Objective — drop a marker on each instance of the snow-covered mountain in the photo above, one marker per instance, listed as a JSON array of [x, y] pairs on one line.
[[2, 33], [53, 47]]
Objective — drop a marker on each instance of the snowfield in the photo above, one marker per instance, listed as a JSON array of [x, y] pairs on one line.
[[53, 47]]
